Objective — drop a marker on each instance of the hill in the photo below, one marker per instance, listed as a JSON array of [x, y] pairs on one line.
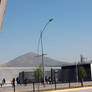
[[32, 60]]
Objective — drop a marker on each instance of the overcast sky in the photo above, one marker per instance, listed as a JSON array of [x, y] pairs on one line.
[[68, 36]]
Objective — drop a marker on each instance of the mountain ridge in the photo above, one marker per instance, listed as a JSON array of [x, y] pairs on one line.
[[32, 59]]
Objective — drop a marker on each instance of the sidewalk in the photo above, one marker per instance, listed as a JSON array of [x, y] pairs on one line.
[[60, 90], [48, 87]]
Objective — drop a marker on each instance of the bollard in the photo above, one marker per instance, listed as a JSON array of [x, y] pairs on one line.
[[69, 84], [14, 88], [13, 84], [33, 87], [55, 84]]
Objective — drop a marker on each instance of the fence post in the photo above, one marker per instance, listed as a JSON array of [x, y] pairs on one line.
[[14, 87], [55, 84], [69, 84], [13, 84], [33, 87]]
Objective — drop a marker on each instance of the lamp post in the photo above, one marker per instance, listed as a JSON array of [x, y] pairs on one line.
[[42, 51], [76, 72]]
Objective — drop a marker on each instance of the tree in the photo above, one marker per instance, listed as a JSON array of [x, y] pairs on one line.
[[38, 73], [82, 73]]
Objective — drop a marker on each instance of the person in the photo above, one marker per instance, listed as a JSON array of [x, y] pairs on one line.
[[3, 81], [49, 79], [13, 82], [46, 79], [17, 80]]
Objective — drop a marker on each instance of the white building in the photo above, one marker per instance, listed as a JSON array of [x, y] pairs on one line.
[[12, 72]]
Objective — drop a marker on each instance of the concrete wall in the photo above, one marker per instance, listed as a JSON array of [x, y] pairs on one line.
[[12, 72]]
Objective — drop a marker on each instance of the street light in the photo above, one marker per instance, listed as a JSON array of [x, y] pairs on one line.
[[41, 32], [76, 71], [42, 52]]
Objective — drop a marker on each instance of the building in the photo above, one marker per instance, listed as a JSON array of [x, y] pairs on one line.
[[70, 73], [13, 72], [63, 74], [51, 72]]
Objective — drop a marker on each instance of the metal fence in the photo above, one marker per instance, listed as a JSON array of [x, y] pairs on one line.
[[37, 87]]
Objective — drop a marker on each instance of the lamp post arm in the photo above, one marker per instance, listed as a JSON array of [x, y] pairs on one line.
[[44, 27], [41, 36]]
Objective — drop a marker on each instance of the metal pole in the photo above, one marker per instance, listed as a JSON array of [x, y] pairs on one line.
[[42, 59], [13, 84], [76, 72], [42, 52], [14, 88], [55, 79], [33, 87]]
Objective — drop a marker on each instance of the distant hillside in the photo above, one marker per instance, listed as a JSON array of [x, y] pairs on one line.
[[32, 60]]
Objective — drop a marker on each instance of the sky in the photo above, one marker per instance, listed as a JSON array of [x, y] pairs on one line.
[[64, 39]]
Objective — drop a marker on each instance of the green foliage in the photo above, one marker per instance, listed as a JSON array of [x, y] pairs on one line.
[[82, 72], [38, 73]]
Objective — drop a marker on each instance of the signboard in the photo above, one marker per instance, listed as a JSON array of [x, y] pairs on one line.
[[2, 10]]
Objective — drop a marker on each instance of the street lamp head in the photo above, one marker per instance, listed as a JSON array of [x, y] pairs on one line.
[[50, 20]]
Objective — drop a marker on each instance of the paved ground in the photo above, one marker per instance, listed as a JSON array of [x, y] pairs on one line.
[[29, 88], [84, 89], [18, 88]]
